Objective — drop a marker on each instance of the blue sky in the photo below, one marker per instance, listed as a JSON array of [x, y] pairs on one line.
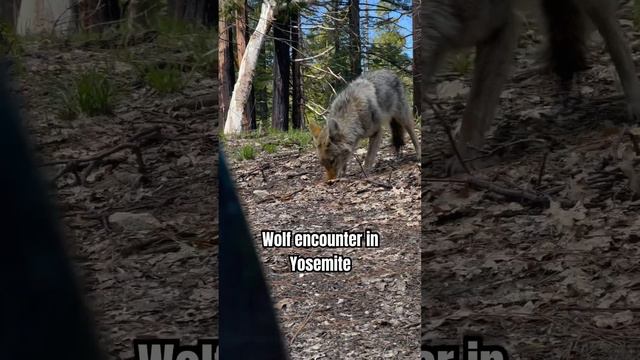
[[405, 27], [405, 22]]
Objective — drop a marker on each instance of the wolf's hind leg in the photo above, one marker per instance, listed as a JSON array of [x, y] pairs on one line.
[[493, 60], [602, 13], [408, 125], [372, 151]]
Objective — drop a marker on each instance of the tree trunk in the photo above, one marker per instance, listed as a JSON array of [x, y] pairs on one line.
[[211, 13], [281, 71], [417, 84], [9, 12], [354, 35], [364, 38], [338, 27], [297, 113], [249, 118], [225, 65], [261, 96], [37, 16], [172, 6], [95, 14], [195, 11], [233, 124]]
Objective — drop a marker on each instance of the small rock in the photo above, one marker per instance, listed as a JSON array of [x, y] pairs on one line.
[[134, 221], [261, 195], [451, 89], [184, 161]]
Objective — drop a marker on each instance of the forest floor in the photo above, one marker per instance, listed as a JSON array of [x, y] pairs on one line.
[[143, 235], [370, 312], [552, 279]]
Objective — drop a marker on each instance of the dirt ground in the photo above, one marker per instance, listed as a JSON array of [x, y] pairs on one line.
[[370, 312], [151, 270], [555, 278]]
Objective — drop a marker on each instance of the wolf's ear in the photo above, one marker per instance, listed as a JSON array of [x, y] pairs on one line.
[[315, 129]]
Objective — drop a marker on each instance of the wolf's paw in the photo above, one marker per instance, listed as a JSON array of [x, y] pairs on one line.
[[398, 153], [368, 167]]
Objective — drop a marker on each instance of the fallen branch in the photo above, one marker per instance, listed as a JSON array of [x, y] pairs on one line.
[[516, 194], [377, 183], [504, 146], [366, 179], [92, 162], [543, 164], [447, 129]]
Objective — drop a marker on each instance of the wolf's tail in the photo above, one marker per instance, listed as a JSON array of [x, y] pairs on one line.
[[566, 31], [397, 134]]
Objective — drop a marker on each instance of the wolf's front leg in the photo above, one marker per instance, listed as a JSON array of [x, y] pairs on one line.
[[372, 151], [603, 15], [493, 59], [409, 127]]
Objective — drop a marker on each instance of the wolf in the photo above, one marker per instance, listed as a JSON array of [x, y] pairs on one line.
[[492, 27], [360, 111]]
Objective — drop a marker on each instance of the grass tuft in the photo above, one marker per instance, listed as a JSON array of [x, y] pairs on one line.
[[246, 152], [165, 80], [461, 63], [91, 93]]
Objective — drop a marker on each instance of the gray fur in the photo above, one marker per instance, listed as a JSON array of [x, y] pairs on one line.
[[492, 27], [360, 111]]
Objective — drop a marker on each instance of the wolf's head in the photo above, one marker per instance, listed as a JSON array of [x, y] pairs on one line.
[[333, 150]]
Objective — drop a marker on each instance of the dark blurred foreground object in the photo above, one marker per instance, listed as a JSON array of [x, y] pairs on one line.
[[42, 315], [248, 326]]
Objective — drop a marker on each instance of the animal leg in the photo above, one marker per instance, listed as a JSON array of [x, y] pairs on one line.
[[602, 13]]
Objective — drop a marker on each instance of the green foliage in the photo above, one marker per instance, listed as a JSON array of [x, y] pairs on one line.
[[90, 93], [387, 52], [270, 141], [246, 152], [270, 148], [83, 38], [164, 79], [462, 62], [328, 46], [294, 137], [636, 14], [9, 42], [197, 44], [12, 47]]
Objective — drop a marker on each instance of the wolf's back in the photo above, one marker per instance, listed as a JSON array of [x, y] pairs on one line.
[[389, 89], [391, 99]]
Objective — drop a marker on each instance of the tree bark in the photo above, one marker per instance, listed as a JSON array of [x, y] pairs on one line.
[[249, 118], [225, 65], [354, 35], [261, 96], [281, 73], [297, 113], [364, 36], [111, 10], [195, 11], [8, 12], [233, 123], [37, 16], [417, 83], [247, 69]]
